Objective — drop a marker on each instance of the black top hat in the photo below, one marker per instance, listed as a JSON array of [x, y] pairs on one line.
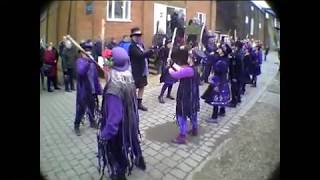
[[168, 41], [135, 32]]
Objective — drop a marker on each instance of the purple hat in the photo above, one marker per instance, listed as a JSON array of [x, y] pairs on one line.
[[87, 45], [120, 59]]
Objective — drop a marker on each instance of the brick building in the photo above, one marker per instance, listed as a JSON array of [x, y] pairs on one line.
[[83, 19], [248, 20]]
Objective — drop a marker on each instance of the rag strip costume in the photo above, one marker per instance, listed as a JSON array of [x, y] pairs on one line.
[[118, 141]]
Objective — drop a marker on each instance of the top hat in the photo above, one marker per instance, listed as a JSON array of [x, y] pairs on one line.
[[135, 32]]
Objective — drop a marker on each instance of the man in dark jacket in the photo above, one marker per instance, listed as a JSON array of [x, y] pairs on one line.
[[69, 55], [235, 73], [139, 63]]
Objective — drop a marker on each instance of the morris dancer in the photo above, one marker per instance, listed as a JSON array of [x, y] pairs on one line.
[[218, 92], [84, 98], [187, 103], [118, 142], [165, 76]]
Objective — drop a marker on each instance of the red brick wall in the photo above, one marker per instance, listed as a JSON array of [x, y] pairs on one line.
[[118, 29], [148, 22], [89, 26], [84, 22], [200, 6]]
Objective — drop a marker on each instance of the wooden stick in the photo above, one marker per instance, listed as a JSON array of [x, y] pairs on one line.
[[83, 51], [102, 34], [201, 34], [173, 38]]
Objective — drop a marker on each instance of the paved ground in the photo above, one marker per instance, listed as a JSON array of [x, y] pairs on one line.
[[63, 155], [252, 150]]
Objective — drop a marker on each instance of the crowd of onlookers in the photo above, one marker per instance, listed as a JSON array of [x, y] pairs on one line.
[[68, 54]]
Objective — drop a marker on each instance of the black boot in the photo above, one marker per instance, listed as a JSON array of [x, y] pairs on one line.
[[214, 115], [170, 97], [169, 93], [140, 163], [94, 125], [121, 176], [140, 106], [77, 130], [160, 99], [222, 111], [233, 103]]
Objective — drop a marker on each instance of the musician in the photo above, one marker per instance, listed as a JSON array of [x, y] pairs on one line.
[[118, 141], [84, 98]]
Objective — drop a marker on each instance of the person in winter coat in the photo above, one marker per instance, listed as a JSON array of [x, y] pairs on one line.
[[51, 57]]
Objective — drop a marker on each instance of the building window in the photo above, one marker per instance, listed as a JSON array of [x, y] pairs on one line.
[[259, 25], [251, 27], [267, 16], [201, 17], [247, 20], [119, 11], [89, 8], [252, 8]]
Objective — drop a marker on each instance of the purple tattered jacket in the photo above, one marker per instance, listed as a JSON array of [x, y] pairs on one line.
[[187, 102], [94, 79], [83, 84], [119, 128]]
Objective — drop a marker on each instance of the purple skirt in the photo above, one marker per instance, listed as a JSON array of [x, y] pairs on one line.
[[217, 97]]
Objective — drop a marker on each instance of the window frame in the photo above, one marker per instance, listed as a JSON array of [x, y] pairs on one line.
[[246, 20], [252, 26], [123, 19], [203, 16]]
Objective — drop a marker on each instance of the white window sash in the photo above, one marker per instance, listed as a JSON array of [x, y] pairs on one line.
[[252, 26], [203, 16], [123, 19]]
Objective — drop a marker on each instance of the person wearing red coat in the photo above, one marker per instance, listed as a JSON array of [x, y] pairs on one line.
[[50, 57]]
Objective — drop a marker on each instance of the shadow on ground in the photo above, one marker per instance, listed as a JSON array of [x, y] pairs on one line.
[[164, 133]]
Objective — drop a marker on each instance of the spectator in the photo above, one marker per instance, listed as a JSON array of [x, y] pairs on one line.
[[42, 49], [50, 62], [112, 43], [125, 43], [69, 55]]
